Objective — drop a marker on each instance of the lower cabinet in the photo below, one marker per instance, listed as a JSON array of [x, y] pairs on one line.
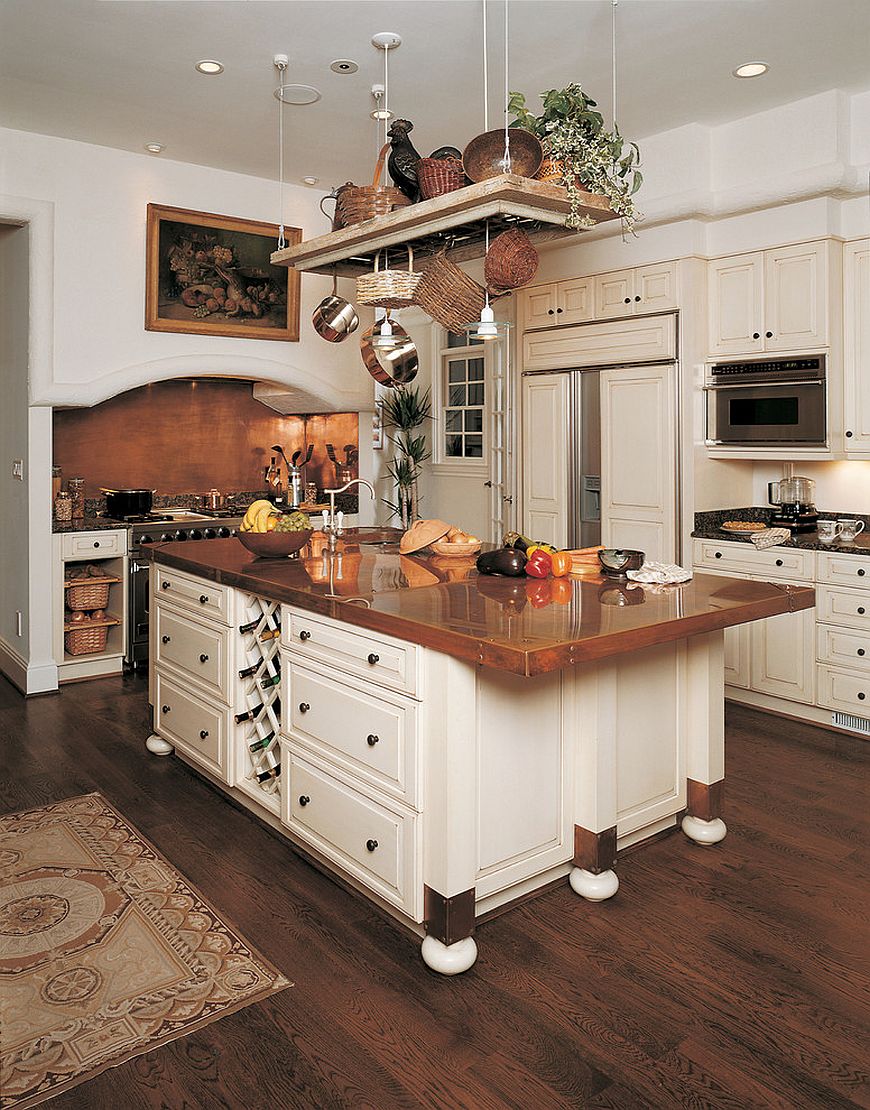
[[190, 723], [782, 659]]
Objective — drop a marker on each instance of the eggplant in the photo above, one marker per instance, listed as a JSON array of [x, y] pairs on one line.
[[507, 561]]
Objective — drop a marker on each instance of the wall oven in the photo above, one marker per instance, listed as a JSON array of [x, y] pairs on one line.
[[768, 402]]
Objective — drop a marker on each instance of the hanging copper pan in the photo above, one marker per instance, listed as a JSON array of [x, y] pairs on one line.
[[391, 366]]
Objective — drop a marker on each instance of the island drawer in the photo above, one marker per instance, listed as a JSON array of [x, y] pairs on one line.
[[843, 647], [206, 598], [371, 841], [844, 570], [199, 650], [846, 607], [94, 545], [843, 690], [370, 733], [743, 558], [194, 727], [377, 658]]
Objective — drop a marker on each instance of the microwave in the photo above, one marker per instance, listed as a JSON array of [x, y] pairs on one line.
[[768, 402]]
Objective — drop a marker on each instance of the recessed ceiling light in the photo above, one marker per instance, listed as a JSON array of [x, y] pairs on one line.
[[310, 180], [344, 65], [210, 67], [751, 69], [297, 94], [154, 148]]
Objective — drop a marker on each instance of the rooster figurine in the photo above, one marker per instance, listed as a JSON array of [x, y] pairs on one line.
[[403, 159]]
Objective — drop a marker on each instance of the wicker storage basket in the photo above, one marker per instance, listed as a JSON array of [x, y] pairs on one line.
[[449, 295], [389, 288], [438, 176], [356, 203], [90, 595], [511, 260], [86, 640]]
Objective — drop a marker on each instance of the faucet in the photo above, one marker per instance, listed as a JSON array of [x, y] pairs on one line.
[[332, 523]]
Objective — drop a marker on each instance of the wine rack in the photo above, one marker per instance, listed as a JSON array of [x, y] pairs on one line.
[[258, 752]]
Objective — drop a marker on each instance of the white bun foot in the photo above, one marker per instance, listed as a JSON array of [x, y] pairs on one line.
[[449, 959], [704, 832], [158, 746], [594, 888]]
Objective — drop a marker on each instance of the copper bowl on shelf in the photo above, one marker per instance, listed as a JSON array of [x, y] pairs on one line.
[[275, 545], [484, 155]]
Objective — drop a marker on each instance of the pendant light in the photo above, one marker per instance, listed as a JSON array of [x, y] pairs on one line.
[[383, 339]]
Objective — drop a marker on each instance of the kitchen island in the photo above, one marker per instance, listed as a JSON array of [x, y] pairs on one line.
[[446, 742]]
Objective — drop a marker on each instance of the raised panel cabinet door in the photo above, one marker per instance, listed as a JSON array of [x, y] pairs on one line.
[[638, 460], [795, 297], [856, 351], [575, 301], [735, 294], [545, 457], [655, 287], [783, 656], [540, 306], [614, 294]]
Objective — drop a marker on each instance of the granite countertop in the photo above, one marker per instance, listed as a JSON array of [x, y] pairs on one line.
[[707, 528], [89, 524], [522, 625]]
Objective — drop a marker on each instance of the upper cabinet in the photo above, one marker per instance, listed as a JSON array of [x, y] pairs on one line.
[[603, 297], [773, 300], [856, 348]]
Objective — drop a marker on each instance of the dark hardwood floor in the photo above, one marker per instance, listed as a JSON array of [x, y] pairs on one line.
[[733, 976]]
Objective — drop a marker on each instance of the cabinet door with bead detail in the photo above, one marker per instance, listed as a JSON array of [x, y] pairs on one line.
[[614, 294]]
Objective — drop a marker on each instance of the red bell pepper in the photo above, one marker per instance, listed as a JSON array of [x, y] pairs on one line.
[[539, 564]]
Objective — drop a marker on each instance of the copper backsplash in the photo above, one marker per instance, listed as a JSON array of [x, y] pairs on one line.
[[191, 436]]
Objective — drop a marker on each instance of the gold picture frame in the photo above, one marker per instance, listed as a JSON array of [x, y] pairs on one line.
[[207, 274]]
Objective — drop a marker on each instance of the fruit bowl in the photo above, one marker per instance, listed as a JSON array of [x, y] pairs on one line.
[[616, 561], [442, 547], [275, 545]]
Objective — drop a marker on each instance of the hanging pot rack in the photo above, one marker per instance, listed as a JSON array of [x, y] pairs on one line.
[[457, 220]]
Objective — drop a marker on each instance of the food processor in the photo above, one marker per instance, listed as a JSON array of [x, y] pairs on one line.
[[795, 508]]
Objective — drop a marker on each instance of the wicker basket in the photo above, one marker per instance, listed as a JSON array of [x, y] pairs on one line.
[[511, 261], [389, 288], [356, 203], [449, 295], [86, 640], [438, 176], [90, 595]]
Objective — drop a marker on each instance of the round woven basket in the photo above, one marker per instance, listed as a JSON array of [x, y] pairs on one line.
[[356, 203], [438, 176], [389, 288], [449, 295], [511, 261]]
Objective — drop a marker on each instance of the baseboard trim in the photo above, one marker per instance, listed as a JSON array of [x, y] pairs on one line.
[[27, 679]]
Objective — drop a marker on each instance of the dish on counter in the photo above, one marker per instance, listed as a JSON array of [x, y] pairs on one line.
[[747, 527]]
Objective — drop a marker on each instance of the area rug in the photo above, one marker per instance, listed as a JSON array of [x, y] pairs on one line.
[[106, 951]]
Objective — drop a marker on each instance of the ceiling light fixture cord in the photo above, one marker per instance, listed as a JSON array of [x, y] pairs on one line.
[[386, 89], [506, 161], [485, 75], [282, 242], [613, 54]]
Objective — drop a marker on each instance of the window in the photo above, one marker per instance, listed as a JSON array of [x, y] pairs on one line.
[[463, 403]]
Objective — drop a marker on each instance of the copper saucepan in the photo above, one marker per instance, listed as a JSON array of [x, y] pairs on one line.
[[334, 318]]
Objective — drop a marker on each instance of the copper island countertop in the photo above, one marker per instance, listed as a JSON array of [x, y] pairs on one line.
[[523, 625]]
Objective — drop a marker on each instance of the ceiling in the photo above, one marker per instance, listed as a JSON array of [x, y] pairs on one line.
[[120, 72]]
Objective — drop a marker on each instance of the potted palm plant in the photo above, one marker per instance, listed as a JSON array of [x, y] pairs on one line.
[[581, 153], [405, 410]]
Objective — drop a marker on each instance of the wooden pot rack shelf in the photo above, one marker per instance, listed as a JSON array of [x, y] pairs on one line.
[[457, 219]]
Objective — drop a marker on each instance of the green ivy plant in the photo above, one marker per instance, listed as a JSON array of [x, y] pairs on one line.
[[572, 131], [405, 410]]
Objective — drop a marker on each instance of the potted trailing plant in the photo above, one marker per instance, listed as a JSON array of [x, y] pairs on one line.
[[582, 153], [405, 410]]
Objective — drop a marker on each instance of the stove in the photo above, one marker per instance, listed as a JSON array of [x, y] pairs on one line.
[[163, 526]]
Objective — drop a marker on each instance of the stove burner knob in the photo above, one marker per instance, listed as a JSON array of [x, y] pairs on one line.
[[209, 533], [166, 536], [179, 535], [195, 534], [223, 532], [146, 539]]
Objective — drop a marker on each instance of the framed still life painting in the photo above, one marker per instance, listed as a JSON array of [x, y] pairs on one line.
[[212, 275]]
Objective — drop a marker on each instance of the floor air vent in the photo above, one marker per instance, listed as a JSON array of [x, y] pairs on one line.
[[850, 721]]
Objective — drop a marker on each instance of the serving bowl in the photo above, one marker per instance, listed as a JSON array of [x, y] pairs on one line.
[[443, 548], [275, 545], [617, 561], [483, 157]]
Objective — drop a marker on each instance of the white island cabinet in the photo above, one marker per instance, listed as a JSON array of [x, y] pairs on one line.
[[449, 771]]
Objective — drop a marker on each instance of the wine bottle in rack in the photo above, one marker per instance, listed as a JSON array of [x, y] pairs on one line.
[[249, 714], [249, 627], [271, 633], [246, 671], [272, 680], [262, 742], [264, 776]]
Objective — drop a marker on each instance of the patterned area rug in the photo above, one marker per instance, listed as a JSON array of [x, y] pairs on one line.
[[105, 950]]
